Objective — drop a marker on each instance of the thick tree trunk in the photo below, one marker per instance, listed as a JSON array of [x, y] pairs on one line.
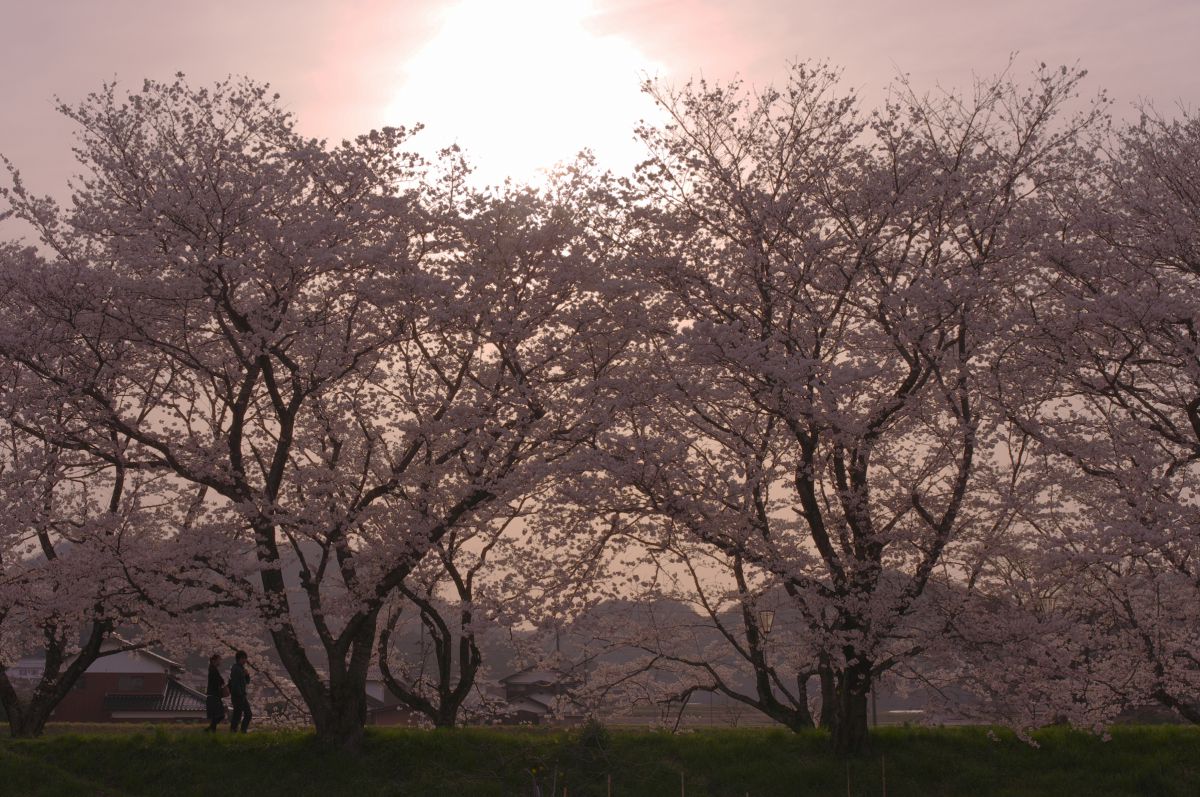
[[341, 721], [447, 717], [28, 723], [339, 705], [337, 702], [28, 718], [340, 712], [849, 729]]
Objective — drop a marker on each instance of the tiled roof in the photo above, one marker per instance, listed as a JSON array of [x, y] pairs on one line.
[[533, 675], [177, 697], [532, 704], [118, 641]]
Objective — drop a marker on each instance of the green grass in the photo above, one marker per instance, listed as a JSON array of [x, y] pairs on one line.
[[1159, 760]]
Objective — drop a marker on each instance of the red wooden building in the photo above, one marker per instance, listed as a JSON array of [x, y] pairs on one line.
[[126, 686]]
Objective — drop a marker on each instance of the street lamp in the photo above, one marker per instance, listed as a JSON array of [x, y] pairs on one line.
[[766, 619]]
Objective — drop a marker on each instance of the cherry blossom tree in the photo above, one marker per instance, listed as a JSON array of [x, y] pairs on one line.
[[833, 285], [55, 580], [923, 381], [94, 542], [64, 517], [351, 354], [711, 621], [456, 606], [1014, 639], [1112, 333]]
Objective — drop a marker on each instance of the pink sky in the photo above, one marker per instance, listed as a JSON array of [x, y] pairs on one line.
[[341, 65]]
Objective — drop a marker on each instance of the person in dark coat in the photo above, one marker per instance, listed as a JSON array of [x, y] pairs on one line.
[[214, 693], [239, 679]]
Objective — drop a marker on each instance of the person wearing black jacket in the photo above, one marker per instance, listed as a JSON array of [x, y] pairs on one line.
[[214, 704], [238, 680]]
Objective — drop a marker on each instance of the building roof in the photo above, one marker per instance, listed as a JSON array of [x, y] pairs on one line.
[[117, 641], [530, 705], [176, 697], [535, 675], [30, 666]]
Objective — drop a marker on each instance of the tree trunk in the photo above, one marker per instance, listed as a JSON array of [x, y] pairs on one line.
[[804, 719], [793, 713], [340, 722], [24, 719], [828, 693], [795, 717], [26, 722], [346, 718], [849, 728], [1189, 711], [340, 714], [28, 718], [338, 706], [442, 710], [801, 720]]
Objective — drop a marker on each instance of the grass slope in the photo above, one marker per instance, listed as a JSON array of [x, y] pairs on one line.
[[464, 763]]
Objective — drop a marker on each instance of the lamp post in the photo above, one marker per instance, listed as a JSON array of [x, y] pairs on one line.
[[766, 619]]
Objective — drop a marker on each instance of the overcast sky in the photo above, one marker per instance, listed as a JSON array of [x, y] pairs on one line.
[[522, 83]]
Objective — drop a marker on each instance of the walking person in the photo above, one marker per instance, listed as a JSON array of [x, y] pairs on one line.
[[238, 681], [215, 693]]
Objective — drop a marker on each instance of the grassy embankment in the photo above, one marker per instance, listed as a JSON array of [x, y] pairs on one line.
[[465, 763]]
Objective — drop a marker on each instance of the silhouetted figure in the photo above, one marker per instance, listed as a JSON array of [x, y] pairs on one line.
[[214, 693], [238, 681]]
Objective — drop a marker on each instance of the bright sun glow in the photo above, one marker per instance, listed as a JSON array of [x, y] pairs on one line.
[[522, 85]]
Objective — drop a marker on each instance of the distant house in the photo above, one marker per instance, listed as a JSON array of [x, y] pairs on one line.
[[384, 708], [126, 686], [536, 694]]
